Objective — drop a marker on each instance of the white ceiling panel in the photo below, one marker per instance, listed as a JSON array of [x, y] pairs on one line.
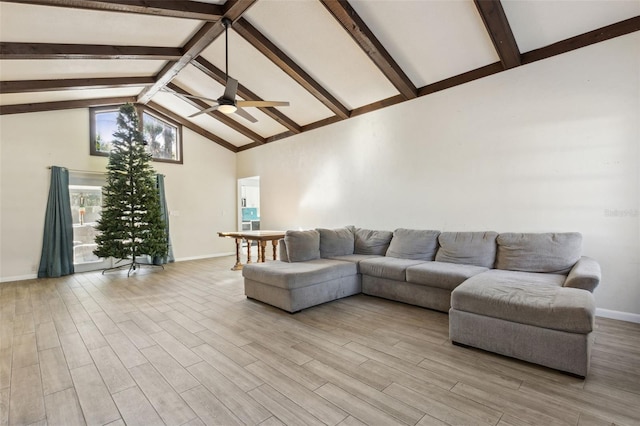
[[538, 23], [197, 83], [265, 127], [65, 95], [332, 59], [38, 24], [430, 40], [178, 106], [265, 79], [53, 69]]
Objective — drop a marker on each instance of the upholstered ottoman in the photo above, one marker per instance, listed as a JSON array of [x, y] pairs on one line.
[[529, 316]]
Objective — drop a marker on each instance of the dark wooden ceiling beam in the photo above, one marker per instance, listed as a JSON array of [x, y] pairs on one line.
[[166, 8], [192, 126], [26, 86], [497, 25], [618, 29], [369, 43], [218, 75], [383, 103], [233, 9], [11, 50], [88, 103], [61, 105], [224, 118], [278, 57], [307, 127], [459, 79]]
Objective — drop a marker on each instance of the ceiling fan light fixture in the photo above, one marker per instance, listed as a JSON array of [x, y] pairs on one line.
[[227, 109]]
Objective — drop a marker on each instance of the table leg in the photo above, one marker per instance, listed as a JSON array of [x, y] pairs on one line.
[[263, 249], [248, 251], [275, 248], [238, 264]]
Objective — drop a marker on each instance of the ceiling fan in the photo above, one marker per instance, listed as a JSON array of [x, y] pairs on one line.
[[227, 103]]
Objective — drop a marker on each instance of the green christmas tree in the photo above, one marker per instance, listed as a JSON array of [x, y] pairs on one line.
[[131, 224]]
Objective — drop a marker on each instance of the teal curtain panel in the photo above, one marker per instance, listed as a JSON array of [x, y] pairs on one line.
[[164, 212], [57, 244]]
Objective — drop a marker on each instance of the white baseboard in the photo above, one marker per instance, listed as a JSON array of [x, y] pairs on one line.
[[18, 278], [205, 256], [617, 315]]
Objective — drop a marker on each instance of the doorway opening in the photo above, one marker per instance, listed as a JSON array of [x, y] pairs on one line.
[[85, 194], [249, 204]]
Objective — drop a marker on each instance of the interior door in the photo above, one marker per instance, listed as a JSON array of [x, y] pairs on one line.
[[85, 193]]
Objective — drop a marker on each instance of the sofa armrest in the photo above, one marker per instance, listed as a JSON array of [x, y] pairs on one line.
[[585, 274], [282, 251]]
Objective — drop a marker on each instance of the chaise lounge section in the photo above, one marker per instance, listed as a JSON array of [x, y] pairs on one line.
[[536, 305], [300, 285], [527, 296]]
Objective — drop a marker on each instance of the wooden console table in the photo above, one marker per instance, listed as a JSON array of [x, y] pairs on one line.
[[260, 236]]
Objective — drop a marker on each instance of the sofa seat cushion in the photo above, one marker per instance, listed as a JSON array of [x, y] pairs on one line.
[[300, 274], [527, 298], [442, 274], [355, 258], [392, 268]]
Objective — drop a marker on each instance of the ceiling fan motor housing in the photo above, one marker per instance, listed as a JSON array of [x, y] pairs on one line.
[[227, 106]]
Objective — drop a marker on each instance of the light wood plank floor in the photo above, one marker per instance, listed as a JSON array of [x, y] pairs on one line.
[[184, 346]]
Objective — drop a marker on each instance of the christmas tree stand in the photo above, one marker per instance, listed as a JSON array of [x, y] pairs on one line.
[[133, 265]]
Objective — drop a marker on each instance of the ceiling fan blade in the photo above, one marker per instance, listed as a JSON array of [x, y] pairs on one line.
[[261, 103], [244, 114], [197, 97], [173, 92], [204, 111], [231, 89]]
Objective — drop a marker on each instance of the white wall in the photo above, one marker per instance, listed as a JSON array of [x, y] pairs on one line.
[[202, 190], [551, 146]]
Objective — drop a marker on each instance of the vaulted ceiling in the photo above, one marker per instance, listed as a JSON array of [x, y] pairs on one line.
[[330, 59]]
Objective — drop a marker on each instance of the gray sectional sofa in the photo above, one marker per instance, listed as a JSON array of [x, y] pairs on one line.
[[528, 296]]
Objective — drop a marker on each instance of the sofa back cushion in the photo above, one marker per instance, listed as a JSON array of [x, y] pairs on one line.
[[336, 242], [413, 244], [549, 252], [302, 245], [368, 241], [468, 248]]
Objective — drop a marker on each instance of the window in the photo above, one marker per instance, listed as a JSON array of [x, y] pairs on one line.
[[103, 125], [163, 135]]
